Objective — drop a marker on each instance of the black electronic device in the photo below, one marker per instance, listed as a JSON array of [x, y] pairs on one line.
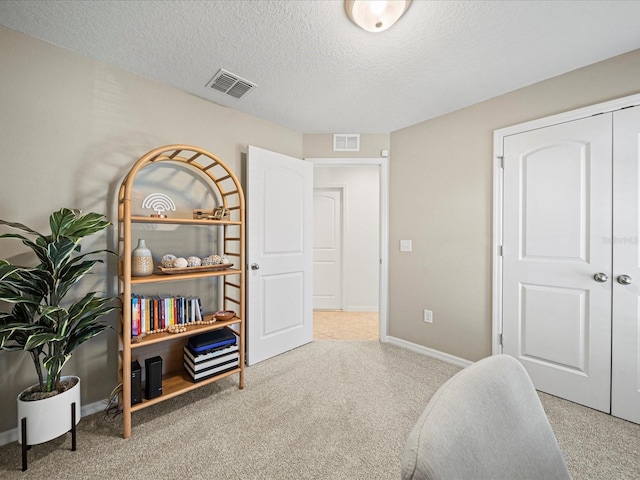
[[136, 382], [153, 374]]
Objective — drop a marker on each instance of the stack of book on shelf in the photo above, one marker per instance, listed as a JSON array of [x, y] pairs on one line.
[[151, 314], [211, 353]]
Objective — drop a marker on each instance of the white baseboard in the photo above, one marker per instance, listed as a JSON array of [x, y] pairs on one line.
[[86, 410], [445, 357], [361, 309]]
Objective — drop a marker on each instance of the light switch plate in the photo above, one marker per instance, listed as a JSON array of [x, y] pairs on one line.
[[405, 245]]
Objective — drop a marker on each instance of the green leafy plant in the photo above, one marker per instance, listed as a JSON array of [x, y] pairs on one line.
[[40, 321]]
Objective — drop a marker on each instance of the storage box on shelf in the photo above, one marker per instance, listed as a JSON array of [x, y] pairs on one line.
[[176, 379]]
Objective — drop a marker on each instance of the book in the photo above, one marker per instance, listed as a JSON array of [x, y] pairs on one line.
[[211, 340], [135, 316], [196, 376], [144, 319], [212, 363], [195, 357], [155, 313]]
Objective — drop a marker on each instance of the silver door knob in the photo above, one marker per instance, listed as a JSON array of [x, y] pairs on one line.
[[600, 277], [255, 266], [625, 280]]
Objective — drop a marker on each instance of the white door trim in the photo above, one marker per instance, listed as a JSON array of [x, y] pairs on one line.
[[498, 187], [383, 163]]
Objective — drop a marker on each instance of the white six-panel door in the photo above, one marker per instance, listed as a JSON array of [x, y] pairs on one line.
[[557, 215]]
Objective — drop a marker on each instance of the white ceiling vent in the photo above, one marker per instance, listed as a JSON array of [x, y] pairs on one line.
[[231, 84], [346, 142]]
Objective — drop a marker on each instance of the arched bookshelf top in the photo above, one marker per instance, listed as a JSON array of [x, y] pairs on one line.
[[209, 164]]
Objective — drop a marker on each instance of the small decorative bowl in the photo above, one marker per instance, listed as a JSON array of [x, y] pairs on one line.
[[223, 315]]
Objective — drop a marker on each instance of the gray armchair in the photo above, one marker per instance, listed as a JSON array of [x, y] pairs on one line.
[[486, 422]]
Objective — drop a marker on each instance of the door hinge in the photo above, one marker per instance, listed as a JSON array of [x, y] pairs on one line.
[[500, 251], [500, 339], [501, 158]]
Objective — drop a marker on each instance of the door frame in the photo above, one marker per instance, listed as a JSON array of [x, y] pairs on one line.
[[498, 187], [383, 164]]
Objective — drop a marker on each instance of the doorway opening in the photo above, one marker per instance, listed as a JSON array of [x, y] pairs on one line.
[[350, 249], [341, 325]]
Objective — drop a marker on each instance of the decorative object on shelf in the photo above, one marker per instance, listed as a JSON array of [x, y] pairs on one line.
[[42, 322], [201, 268], [141, 260], [160, 203], [168, 260], [194, 261], [224, 315], [220, 213], [212, 260], [176, 329], [201, 214], [180, 262]]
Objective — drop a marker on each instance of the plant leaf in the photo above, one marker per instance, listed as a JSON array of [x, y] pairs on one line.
[[69, 223], [53, 364], [19, 226]]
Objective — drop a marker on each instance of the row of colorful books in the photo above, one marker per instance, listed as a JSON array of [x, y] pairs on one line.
[[151, 314]]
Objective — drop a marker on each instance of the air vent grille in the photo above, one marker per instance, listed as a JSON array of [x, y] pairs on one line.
[[231, 84], [346, 142]]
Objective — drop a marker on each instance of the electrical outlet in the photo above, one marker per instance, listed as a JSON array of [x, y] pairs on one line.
[[405, 245], [428, 316]]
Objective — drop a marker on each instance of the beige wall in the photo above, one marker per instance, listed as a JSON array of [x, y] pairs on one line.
[[71, 129], [441, 198]]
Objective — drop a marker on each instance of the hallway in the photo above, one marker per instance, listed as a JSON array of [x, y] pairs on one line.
[[338, 325]]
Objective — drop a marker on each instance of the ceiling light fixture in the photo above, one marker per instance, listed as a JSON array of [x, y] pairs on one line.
[[375, 15]]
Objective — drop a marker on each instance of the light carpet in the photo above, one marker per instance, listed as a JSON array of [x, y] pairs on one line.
[[327, 410]]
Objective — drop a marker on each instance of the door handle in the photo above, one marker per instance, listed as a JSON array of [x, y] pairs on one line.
[[255, 266], [600, 277], [624, 280]]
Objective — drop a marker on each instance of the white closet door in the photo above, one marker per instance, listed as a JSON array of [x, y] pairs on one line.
[[557, 219], [625, 386]]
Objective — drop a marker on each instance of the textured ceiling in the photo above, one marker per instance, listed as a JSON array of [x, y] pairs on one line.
[[317, 72]]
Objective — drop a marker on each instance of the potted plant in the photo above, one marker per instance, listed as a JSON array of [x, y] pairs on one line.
[[46, 324]]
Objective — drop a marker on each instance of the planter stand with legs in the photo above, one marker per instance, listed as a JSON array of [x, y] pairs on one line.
[[45, 419], [25, 440]]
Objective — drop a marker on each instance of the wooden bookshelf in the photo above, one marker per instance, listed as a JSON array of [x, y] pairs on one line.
[[224, 186]]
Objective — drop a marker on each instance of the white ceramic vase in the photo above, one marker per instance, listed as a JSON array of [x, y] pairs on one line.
[[141, 260], [50, 417]]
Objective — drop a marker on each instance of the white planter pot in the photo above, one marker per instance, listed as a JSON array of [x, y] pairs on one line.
[[48, 418]]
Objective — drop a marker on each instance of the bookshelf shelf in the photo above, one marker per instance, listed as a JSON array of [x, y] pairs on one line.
[[191, 330], [227, 289], [158, 277], [182, 221], [177, 383]]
